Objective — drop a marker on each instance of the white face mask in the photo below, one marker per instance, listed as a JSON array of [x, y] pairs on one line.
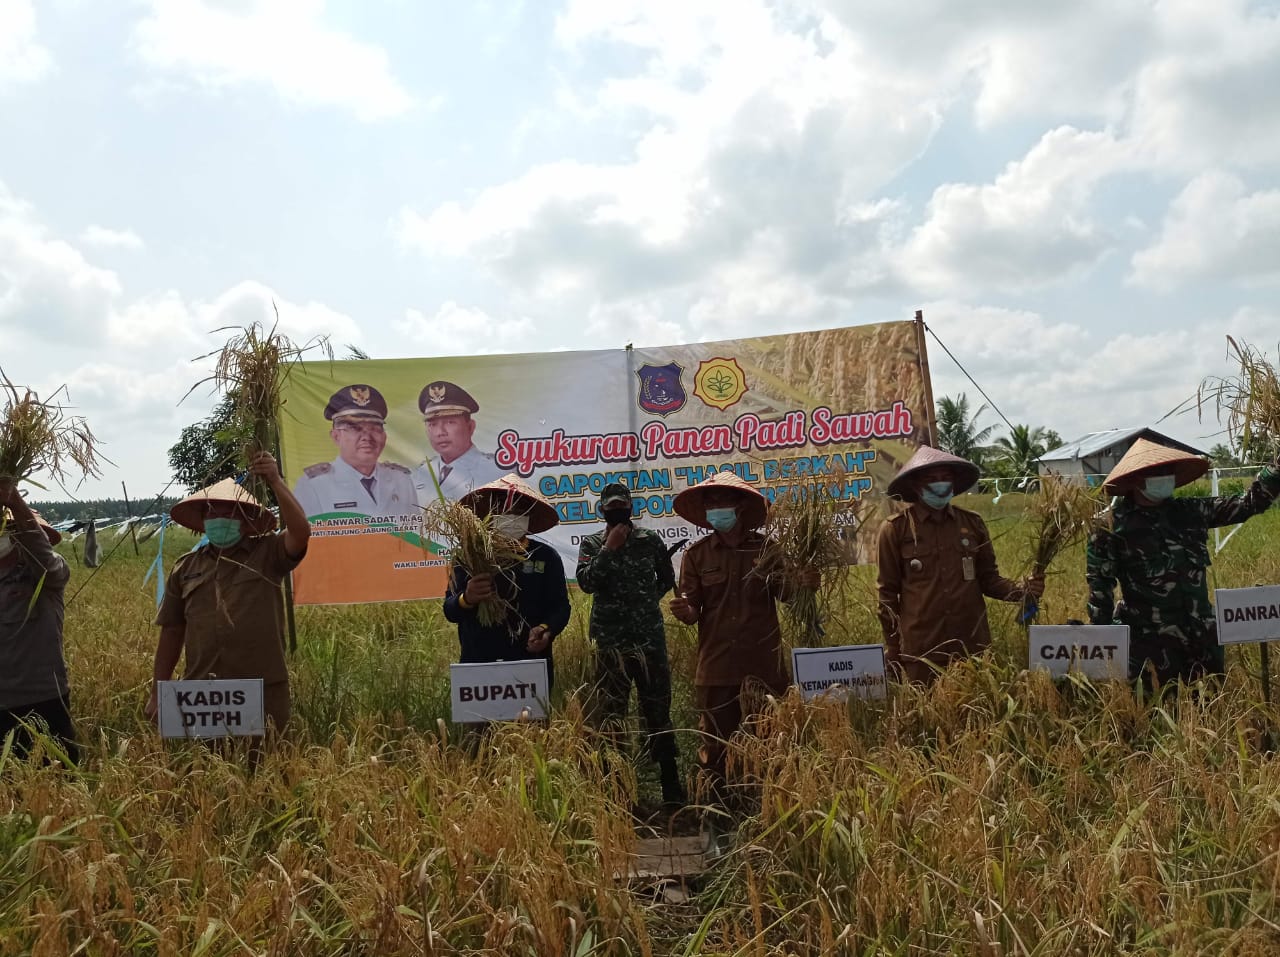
[[1159, 487], [511, 526], [7, 545]]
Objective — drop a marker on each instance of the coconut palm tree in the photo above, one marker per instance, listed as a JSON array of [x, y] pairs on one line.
[[1018, 453], [958, 432]]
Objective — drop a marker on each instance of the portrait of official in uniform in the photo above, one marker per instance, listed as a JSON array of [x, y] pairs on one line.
[[457, 466], [356, 481]]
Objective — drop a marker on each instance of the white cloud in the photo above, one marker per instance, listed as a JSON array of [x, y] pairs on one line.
[[284, 44], [1214, 229], [106, 238], [47, 288], [463, 330], [1032, 226], [22, 59]]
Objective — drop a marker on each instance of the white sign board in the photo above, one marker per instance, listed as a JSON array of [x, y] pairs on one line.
[[211, 709], [838, 671], [1097, 651], [1248, 614], [502, 691]]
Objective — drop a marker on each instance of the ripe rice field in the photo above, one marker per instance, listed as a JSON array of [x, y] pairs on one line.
[[998, 813]]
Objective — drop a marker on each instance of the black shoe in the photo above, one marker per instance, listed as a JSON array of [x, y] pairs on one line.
[[673, 795]]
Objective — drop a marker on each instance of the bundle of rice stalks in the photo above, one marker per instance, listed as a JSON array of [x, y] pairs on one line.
[[1062, 515], [475, 546], [807, 528], [252, 367], [38, 436], [1251, 399]]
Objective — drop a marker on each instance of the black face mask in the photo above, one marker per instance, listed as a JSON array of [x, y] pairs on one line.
[[617, 516]]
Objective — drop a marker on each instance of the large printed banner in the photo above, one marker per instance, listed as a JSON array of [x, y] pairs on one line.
[[842, 406]]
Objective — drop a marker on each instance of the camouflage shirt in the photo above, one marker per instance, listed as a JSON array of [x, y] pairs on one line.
[[628, 585], [1158, 556]]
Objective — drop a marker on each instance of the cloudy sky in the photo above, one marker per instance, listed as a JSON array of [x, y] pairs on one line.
[[1083, 197]]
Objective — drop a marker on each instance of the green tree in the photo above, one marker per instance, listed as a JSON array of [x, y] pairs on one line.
[[1018, 453], [958, 432], [1223, 457], [1052, 440], [206, 451]]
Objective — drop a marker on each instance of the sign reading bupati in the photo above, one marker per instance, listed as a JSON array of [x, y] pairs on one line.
[[838, 672], [370, 442], [1248, 614], [211, 709], [1097, 651], [502, 691]]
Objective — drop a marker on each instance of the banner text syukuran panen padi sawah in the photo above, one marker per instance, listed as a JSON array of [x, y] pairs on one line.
[[848, 404]]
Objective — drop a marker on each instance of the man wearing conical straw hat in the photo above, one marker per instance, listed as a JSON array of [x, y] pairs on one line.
[[223, 603], [739, 642], [534, 589], [33, 672], [1156, 549], [936, 569]]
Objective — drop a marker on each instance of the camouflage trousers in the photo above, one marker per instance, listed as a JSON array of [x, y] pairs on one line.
[[1163, 659], [617, 669]]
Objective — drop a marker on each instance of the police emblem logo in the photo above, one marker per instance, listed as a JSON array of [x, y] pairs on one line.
[[661, 391], [436, 392], [359, 395]]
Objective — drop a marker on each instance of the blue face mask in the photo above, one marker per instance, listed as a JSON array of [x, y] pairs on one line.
[[1159, 487], [937, 494], [222, 532], [722, 519]]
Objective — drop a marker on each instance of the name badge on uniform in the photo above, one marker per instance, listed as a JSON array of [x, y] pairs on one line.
[[966, 566]]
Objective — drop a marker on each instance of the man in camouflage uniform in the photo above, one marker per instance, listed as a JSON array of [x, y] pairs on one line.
[[1156, 549], [628, 571]]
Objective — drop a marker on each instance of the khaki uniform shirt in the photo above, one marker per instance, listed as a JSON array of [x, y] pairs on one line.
[[738, 633], [337, 487], [935, 567], [231, 604], [469, 470]]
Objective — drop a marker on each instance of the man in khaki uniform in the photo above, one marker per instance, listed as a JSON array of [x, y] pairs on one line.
[[356, 481], [937, 567], [223, 603]]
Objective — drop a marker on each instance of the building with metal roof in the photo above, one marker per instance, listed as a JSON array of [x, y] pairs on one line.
[[1091, 457]]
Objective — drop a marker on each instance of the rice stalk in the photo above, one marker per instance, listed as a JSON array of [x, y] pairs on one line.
[[1250, 399], [39, 436], [476, 547], [252, 367], [1062, 515], [806, 529]]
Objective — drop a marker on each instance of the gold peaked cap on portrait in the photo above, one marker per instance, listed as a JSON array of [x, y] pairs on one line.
[[691, 503], [190, 511], [543, 515], [1145, 458], [926, 457]]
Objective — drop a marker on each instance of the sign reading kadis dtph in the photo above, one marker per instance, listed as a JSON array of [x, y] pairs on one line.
[[501, 691], [1096, 651], [211, 709], [839, 672], [1248, 614]]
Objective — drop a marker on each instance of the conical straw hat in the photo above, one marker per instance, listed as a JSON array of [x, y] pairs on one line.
[[541, 517], [1146, 458], [926, 457], [50, 532], [691, 503], [190, 511]]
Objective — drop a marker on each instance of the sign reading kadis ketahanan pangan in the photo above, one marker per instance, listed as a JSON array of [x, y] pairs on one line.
[[1248, 614], [842, 407], [840, 672]]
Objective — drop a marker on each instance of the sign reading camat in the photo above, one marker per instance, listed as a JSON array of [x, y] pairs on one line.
[[838, 671], [1097, 651], [211, 709], [502, 691], [1248, 614]]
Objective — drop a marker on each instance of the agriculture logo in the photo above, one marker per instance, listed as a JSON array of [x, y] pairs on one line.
[[720, 382], [661, 391]]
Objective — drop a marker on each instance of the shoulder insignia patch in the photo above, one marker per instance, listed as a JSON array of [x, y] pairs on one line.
[[396, 467], [315, 471]]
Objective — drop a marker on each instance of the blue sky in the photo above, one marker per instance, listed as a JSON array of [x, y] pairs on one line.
[[1083, 198]]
